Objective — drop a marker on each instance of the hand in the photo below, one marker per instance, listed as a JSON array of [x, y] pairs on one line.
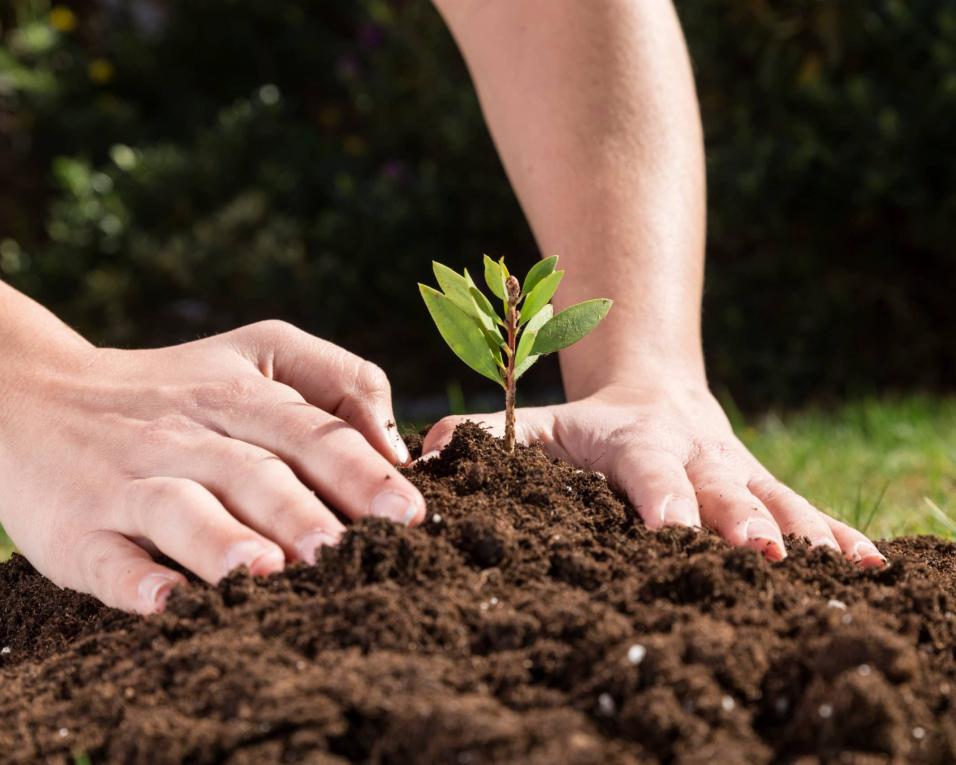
[[675, 455], [207, 452]]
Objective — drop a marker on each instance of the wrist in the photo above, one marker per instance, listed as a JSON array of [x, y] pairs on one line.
[[594, 370]]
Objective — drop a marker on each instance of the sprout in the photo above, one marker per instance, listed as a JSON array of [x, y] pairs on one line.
[[502, 348]]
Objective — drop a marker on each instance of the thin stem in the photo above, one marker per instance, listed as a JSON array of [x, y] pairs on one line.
[[511, 318]]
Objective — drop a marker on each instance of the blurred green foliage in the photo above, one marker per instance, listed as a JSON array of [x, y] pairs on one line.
[[171, 168]]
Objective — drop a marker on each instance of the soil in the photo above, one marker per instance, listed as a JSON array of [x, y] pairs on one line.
[[531, 619]]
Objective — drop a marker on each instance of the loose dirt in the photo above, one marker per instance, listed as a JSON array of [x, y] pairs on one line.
[[531, 619]]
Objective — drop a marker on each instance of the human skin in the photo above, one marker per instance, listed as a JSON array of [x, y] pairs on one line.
[[222, 452], [593, 110], [231, 450]]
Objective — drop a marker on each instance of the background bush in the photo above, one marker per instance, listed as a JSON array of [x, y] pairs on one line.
[[169, 169]]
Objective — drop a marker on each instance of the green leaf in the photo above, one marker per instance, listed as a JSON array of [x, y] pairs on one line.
[[456, 288], [570, 325], [538, 271], [495, 342], [525, 365], [523, 356], [484, 304], [540, 296], [463, 333], [530, 332], [495, 276]]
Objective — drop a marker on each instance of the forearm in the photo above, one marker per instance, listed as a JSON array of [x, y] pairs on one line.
[[31, 340], [593, 111]]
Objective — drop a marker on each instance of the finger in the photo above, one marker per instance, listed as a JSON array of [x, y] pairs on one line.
[[531, 424], [188, 524], [794, 515], [440, 434], [330, 378], [856, 547], [261, 491], [656, 483], [728, 507], [329, 455], [123, 575]]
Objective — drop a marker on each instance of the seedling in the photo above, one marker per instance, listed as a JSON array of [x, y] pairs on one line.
[[503, 348]]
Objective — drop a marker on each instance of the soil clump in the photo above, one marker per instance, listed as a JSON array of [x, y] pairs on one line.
[[531, 619]]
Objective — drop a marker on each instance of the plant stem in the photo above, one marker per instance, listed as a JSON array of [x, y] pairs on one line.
[[511, 317]]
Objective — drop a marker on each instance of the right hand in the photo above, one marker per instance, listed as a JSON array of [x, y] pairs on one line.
[[226, 451]]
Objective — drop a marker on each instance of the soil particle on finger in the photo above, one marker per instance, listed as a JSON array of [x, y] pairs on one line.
[[531, 619]]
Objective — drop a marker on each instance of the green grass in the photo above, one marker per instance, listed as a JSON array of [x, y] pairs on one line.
[[886, 466]]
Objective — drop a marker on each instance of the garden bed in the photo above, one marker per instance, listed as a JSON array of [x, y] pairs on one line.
[[532, 618]]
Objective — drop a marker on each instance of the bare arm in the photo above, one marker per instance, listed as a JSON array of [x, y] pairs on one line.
[[593, 110]]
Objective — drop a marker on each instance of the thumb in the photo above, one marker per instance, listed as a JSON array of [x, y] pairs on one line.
[[532, 424]]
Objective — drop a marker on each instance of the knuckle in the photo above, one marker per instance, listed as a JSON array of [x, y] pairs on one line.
[[95, 565], [773, 491], [719, 452], [370, 379], [167, 430], [226, 394], [272, 331], [153, 495]]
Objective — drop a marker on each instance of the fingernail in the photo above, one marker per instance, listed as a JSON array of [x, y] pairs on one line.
[[825, 542], [866, 554], [678, 511], [394, 506], [762, 530], [154, 589], [398, 444], [257, 557], [307, 545]]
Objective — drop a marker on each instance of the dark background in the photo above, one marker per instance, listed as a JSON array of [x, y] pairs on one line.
[[171, 169]]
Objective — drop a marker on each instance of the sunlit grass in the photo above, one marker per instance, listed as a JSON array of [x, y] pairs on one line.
[[886, 466]]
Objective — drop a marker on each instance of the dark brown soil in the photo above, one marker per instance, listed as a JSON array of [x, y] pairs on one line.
[[531, 620]]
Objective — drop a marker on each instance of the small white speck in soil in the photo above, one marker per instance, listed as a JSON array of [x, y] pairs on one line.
[[863, 669], [300, 665], [63, 732], [606, 705], [436, 518], [494, 601], [636, 654], [5, 650], [847, 619], [839, 604], [919, 733], [727, 703], [825, 711]]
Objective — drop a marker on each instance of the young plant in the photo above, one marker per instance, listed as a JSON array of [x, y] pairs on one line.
[[502, 348]]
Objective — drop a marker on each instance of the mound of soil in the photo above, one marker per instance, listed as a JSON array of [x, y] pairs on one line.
[[532, 619]]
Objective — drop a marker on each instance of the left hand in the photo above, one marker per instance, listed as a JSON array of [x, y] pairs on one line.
[[675, 455]]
